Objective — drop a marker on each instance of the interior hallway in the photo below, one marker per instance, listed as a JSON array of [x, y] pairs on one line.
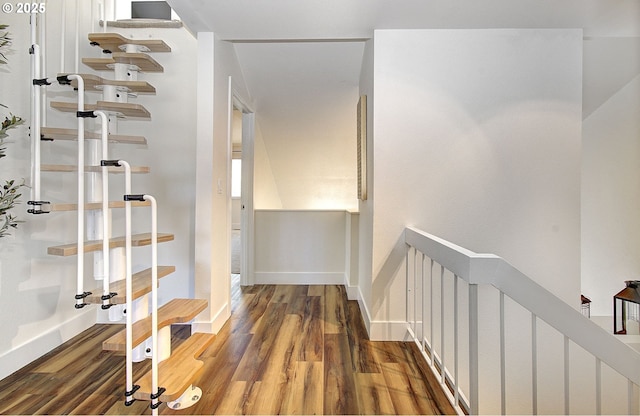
[[285, 350]]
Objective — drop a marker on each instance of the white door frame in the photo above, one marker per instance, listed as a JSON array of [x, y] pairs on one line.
[[246, 199]]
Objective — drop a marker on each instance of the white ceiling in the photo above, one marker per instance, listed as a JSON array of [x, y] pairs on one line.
[[347, 19], [292, 82]]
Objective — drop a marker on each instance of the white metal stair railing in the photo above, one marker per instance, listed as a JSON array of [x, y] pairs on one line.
[[436, 270]]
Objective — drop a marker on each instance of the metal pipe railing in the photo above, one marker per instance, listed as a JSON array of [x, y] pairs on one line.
[[106, 231]]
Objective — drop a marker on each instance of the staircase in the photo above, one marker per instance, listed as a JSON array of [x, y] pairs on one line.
[[123, 293]]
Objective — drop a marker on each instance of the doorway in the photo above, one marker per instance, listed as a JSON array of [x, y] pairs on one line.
[[241, 140], [236, 203]]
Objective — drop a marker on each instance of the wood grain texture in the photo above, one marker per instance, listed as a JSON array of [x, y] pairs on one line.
[[113, 41], [142, 61], [137, 240], [272, 356], [140, 286], [175, 311], [124, 109], [57, 133], [177, 372], [95, 83]]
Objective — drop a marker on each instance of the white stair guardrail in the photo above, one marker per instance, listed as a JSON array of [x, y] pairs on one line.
[[488, 269]]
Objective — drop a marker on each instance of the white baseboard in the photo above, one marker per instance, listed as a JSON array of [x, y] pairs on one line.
[[24, 354], [213, 326], [299, 278], [388, 331], [381, 330]]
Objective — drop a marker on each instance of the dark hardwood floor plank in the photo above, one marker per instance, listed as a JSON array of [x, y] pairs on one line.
[[335, 316], [373, 395], [305, 396], [363, 356], [312, 330], [339, 384], [254, 361], [285, 350]]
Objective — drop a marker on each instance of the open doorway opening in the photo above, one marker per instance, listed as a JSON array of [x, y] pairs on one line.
[[236, 203], [240, 173]]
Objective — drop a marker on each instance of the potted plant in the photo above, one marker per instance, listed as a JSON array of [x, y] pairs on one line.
[[10, 191]]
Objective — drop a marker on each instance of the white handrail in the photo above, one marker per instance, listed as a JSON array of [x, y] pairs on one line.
[[80, 294], [104, 139], [490, 269], [154, 302], [36, 108], [129, 289], [63, 30]]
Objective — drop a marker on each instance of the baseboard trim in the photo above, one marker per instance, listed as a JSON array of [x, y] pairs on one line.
[[23, 354], [213, 326], [299, 278], [388, 331], [381, 330]]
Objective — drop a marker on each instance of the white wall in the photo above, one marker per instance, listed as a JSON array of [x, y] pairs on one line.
[[265, 189], [301, 247], [365, 229], [37, 290], [610, 169], [216, 63], [307, 118], [477, 140]]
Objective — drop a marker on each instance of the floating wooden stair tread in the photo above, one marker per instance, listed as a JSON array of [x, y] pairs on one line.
[[96, 82], [140, 284], [137, 240], [114, 41], [176, 311], [179, 371], [55, 133], [141, 61], [58, 207], [125, 109], [91, 169]]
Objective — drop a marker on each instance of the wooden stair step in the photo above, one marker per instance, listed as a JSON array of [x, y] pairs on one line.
[[95, 82], [59, 207], [179, 371], [122, 109], [114, 41], [137, 240], [92, 169], [176, 311], [140, 284], [56, 133], [140, 61]]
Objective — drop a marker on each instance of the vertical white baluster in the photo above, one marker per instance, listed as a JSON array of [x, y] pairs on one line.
[[456, 389], [473, 349], [433, 358], [442, 364], [534, 363], [415, 295], [567, 402], [503, 377], [423, 343], [77, 38], [598, 386], [630, 396], [406, 282], [63, 29]]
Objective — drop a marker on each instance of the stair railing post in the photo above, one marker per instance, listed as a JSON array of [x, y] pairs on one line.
[[128, 284], [80, 295], [36, 108], [473, 349], [106, 293], [154, 302]]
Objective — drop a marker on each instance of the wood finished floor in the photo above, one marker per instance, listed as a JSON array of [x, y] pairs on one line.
[[285, 350]]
